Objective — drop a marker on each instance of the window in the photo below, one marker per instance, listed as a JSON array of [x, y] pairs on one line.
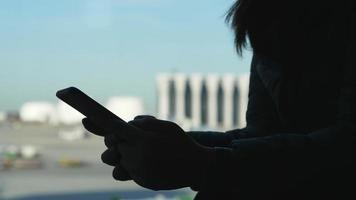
[[220, 104], [204, 105], [172, 100], [188, 100], [235, 106]]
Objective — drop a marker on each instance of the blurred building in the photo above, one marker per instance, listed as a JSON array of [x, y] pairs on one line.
[[125, 107], [41, 112], [2, 116], [46, 112], [216, 102], [63, 114]]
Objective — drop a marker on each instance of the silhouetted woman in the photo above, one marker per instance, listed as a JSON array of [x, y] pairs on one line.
[[301, 118]]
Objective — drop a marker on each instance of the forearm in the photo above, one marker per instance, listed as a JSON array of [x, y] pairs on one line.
[[278, 163]]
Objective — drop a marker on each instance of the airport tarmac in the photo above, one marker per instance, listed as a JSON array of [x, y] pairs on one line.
[[52, 178]]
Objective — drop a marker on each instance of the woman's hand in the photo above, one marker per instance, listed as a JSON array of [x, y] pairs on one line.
[[157, 154], [111, 156]]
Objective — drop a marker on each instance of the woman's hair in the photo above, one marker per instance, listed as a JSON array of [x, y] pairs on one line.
[[267, 25], [236, 17]]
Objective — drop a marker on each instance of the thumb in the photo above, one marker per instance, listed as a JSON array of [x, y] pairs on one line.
[[121, 174], [144, 117], [155, 125], [145, 122]]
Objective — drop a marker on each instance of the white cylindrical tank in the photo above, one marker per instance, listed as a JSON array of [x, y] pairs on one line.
[[126, 107], [28, 151], [36, 112], [67, 115]]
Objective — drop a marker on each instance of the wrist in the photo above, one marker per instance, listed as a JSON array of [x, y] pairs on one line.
[[210, 138], [203, 162]]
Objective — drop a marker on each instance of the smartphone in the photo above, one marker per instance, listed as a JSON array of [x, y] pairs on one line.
[[97, 113]]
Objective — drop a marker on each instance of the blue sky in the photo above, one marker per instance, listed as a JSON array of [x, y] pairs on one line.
[[109, 47]]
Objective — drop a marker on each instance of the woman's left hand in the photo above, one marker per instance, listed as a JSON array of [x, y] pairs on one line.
[[157, 154]]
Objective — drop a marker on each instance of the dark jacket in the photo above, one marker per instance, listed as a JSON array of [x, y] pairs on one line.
[[299, 141]]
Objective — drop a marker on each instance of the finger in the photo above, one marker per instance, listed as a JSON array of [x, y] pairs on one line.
[[128, 153], [153, 125], [137, 120], [91, 127], [125, 148], [144, 117], [124, 131], [121, 174], [146, 124], [110, 140], [111, 157]]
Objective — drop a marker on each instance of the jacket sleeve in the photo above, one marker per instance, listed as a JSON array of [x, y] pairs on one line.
[[283, 161], [261, 116]]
